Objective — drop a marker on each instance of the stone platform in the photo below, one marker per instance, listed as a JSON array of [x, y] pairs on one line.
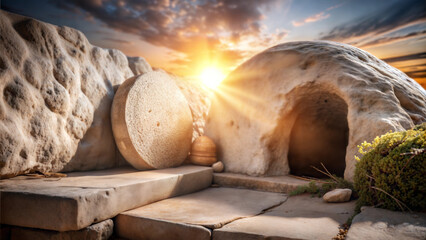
[[279, 184], [226, 213], [82, 198]]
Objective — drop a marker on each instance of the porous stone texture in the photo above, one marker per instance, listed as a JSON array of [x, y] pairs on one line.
[[56, 91], [152, 122], [338, 195], [197, 95], [382, 224], [199, 100], [194, 213], [83, 198], [98, 231], [301, 103], [300, 217]]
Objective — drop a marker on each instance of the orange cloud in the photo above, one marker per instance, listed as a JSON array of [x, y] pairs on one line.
[[314, 18]]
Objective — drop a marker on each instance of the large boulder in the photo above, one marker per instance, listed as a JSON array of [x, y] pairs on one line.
[[56, 92], [300, 104], [151, 121]]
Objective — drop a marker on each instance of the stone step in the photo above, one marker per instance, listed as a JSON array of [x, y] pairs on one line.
[[82, 198], [279, 184], [195, 215], [300, 217], [98, 231]]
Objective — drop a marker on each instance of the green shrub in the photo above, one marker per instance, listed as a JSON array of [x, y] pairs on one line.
[[392, 171]]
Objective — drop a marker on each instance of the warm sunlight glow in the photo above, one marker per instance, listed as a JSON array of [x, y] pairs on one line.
[[212, 77]]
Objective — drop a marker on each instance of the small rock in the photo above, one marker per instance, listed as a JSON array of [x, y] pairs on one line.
[[217, 167], [338, 195]]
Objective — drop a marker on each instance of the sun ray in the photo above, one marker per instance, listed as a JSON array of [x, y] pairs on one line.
[[212, 77]]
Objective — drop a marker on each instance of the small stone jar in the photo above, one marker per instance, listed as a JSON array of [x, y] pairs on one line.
[[203, 151]]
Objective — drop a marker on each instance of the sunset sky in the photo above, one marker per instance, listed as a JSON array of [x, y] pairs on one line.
[[184, 37]]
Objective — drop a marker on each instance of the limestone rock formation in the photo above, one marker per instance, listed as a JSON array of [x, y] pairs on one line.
[[196, 94], [151, 121], [302, 103], [199, 102], [56, 92], [139, 65]]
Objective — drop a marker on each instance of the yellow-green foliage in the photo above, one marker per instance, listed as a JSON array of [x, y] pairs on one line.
[[392, 171]]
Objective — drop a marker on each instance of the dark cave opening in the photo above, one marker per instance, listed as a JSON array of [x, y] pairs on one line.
[[319, 135]]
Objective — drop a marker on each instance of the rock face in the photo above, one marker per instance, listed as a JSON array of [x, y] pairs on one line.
[[338, 195], [139, 65], [199, 102], [152, 122], [56, 92], [302, 103]]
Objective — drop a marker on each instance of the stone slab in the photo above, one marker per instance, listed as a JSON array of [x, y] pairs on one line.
[[99, 231], [279, 184], [211, 208], [83, 198], [134, 227], [381, 224], [300, 217]]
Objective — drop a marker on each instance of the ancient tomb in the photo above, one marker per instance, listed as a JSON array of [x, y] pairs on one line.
[[301, 104]]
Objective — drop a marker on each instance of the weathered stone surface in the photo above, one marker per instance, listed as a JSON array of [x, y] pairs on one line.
[[199, 100], [131, 227], [98, 231], [300, 217], [211, 208], [197, 95], [152, 122], [381, 224], [218, 167], [338, 195], [82, 198], [139, 65], [56, 91], [301, 103], [279, 184]]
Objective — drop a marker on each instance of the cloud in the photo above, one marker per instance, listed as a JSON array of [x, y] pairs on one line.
[[190, 27], [416, 71], [317, 17], [400, 14], [388, 40], [116, 40], [335, 6], [314, 18], [417, 74], [405, 57]]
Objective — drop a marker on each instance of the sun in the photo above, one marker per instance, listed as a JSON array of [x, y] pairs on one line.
[[212, 77]]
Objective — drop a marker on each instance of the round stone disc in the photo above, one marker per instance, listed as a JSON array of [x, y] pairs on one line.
[[151, 121]]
